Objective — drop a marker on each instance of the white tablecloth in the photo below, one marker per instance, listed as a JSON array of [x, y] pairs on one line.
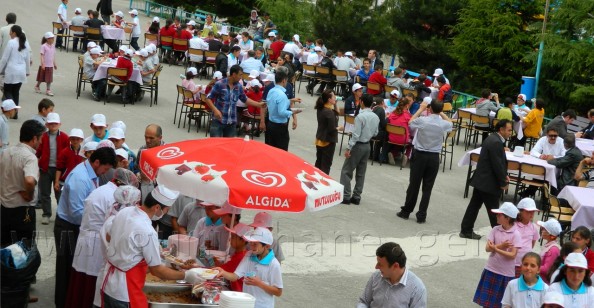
[[585, 145], [551, 170], [113, 33], [102, 72], [516, 125], [581, 200]]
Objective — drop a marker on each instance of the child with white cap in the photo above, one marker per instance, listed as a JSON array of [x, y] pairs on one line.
[[529, 231], [89, 148], [118, 137], [45, 73], [227, 212], [205, 228], [69, 157], [119, 20], [53, 142], [63, 19], [503, 243], [9, 110], [553, 299], [264, 220], [549, 253], [135, 23], [153, 28], [189, 84], [261, 271], [99, 127], [520, 108], [574, 282], [78, 20], [528, 290]]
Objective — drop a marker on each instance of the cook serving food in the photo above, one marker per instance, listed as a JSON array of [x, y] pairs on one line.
[[134, 248]]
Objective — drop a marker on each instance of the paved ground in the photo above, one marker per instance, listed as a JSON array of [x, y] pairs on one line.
[[330, 254]]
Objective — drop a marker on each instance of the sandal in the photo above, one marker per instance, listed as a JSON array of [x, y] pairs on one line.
[[37, 90], [49, 93]]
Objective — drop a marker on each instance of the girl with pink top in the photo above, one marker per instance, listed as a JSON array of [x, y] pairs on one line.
[[189, 84], [503, 243], [549, 253], [529, 231], [48, 63]]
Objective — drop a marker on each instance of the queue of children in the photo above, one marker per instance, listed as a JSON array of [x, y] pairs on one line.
[[514, 276]]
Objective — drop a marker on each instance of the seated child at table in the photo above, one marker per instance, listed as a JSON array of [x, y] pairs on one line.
[[260, 269], [189, 84], [90, 66], [529, 289], [205, 228], [189, 217], [549, 253], [264, 220]]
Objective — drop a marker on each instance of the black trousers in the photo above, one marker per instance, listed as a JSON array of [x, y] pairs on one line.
[[14, 226], [324, 157], [11, 91], [65, 237], [479, 197], [277, 135], [424, 167]]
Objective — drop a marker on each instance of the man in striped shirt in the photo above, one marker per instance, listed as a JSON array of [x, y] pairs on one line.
[[393, 285]]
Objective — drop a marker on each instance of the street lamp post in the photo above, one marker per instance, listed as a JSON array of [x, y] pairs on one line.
[[541, 48]]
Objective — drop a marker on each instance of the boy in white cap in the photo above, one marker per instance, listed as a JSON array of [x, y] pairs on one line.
[[520, 108], [118, 137], [549, 253], [129, 257], [205, 228], [268, 41], [148, 68], [78, 20], [264, 220], [135, 23], [69, 157], [121, 158], [90, 66], [226, 213], [119, 20], [99, 127], [9, 110], [89, 148], [53, 142], [260, 269], [439, 72], [63, 19]]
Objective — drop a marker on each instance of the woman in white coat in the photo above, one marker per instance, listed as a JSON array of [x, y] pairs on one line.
[[15, 64]]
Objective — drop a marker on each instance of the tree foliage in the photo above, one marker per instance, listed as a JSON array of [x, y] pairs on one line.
[[354, 24], [289, 16], [237, 12], [422, 32], [567, 74], [491, 41]]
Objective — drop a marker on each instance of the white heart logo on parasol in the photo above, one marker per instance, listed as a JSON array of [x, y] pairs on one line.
[[266, 179], [170, 153]]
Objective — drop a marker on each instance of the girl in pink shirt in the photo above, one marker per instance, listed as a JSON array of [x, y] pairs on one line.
[[549, 253], [529, 231], [502, 244], [48, 63]]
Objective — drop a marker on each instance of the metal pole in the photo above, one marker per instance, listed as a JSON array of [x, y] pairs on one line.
[[541, 48]]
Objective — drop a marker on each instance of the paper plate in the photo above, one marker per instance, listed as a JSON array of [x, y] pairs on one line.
[[205, 273]]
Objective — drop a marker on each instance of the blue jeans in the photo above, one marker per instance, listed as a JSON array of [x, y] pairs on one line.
[[218, 129]]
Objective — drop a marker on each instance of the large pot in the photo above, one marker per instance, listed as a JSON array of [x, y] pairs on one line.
[[166, 288]]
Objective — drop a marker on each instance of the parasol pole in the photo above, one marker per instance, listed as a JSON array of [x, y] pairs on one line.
[[229, 238]]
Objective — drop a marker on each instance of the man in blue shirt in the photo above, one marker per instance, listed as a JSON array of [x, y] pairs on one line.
[[83, 179], [222, 100], [251, 64], [279, 112]]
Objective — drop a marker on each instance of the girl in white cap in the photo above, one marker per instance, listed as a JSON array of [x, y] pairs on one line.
[[189, 84], [529, 232], [48, 63], [502, 245], [550, 231], [574, 282], [529, 289]]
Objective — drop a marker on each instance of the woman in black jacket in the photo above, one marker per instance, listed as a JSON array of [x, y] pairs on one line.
[[327, 133]]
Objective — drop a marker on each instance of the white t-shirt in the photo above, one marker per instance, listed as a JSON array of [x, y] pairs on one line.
[[525, 299], [205, 233], [313, 59], [136, 28], [133, 239], [585, 300], [231, 60], [269, 274], [292, 48], [197, 43], [544, 147], [63, 12]]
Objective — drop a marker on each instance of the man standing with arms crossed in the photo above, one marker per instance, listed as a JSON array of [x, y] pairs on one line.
[[357, 152], [425, 158], [489, 180]]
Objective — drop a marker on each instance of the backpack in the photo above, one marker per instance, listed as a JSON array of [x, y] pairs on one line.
[[448, 96]]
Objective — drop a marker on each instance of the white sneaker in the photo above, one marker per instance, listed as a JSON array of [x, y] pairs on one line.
[[45, 220]]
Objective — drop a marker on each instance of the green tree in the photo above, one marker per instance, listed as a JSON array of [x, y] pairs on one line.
[[289, 16], [567, 73], [236, 12], [354, 24], [422, 32], [490, 44]]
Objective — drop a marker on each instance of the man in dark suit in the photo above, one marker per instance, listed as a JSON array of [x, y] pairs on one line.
[[567, 164], [489, 179], [374, 59]]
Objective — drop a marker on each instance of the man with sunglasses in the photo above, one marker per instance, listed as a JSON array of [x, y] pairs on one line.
[[567, 164], [549, 146]]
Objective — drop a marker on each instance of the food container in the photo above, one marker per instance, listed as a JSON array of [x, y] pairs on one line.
[[182, 245], [185, 289]]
